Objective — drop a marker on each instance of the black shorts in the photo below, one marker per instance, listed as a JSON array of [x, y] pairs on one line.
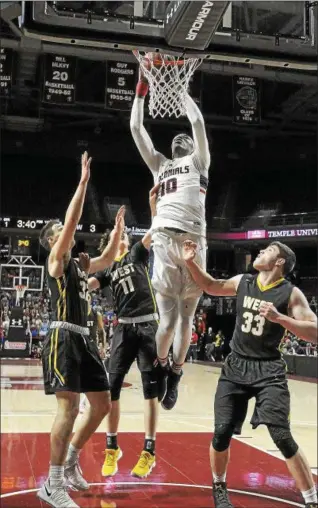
[[71, 362], [131, 342], [242, 379]]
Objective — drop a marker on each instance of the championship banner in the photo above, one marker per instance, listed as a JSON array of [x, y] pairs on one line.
[[6, 67], [59, 79], [246, 100], [121, 80]]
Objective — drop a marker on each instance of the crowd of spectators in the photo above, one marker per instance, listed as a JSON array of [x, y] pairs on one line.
[[206, 345]]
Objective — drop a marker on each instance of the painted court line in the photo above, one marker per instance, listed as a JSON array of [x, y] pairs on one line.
[[155, 484]]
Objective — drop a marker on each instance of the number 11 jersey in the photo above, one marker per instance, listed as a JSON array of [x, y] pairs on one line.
[[181, 198], [130, 283], [254, 336]]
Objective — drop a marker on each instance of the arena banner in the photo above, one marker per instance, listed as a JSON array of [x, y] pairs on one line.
[[191, 25], [262, 234], [121, 78], [246, 100], [6, 71], [17, 342], [59, 86]]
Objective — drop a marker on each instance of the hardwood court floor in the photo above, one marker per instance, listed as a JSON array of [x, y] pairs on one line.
[[257, 476]]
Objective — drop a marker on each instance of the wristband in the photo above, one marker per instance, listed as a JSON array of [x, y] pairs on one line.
[[142, 89]]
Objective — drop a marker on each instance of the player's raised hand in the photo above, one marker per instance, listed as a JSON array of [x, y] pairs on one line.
[[153, 196], [269, 311], [120, 218], [84, 261], [86, 167], [189, 250]]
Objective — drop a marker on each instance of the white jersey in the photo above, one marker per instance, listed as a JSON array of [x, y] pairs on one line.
[[181, 198]]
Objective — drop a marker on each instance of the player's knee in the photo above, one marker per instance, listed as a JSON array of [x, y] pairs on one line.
[[116, 383], [149, 385], [187, 308], [222, 436], [283, 440]]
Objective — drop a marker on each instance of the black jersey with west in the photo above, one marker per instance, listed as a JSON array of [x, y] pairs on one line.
[[69, 294], [255, 336], [92, 324], [130, 283]]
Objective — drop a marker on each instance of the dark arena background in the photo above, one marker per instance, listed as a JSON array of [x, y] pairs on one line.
[[67, 84]]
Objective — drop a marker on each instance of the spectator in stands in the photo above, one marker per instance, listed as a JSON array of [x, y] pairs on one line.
[[219, 341], [192, 352], [210, 345]]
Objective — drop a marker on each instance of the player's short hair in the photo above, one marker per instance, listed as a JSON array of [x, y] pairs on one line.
[[288, 254], [105, 240], [46, 232]]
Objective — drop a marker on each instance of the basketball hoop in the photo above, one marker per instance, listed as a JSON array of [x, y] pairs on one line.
[[168, 77], [20, 289]]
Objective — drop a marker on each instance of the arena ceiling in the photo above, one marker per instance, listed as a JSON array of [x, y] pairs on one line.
[[272, 41]]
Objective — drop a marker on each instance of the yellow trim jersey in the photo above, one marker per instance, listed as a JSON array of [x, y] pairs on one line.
[[130, 283], [254, 336], [69, 294]]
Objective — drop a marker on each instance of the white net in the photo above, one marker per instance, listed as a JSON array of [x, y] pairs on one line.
[[168, 77]]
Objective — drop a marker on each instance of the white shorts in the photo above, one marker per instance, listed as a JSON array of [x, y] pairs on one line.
[[170, 274]]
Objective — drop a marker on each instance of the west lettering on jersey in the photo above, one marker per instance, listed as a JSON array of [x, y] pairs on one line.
[[122, 271], [181, 170], [252, 303]]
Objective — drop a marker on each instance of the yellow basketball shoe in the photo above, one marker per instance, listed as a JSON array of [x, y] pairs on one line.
[[110, 466], [144, 466]]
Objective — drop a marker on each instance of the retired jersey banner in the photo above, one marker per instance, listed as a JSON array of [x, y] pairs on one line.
[[6, 68], [59, 79], [246, 100], [120, 84]]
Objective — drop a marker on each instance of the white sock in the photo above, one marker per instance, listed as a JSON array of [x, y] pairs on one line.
[[56, 475], [219, 478], [72, 455], [310, 496]]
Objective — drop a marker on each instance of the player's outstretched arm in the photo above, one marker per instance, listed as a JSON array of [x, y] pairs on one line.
[[302, 320], [72, 217], [201, 144], [109, 253], [211, 286], [152, 158], [153, 195]]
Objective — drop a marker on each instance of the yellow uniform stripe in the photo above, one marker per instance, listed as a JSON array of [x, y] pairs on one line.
[[57, 372], [51, 350], [152, 293], [269, 286]]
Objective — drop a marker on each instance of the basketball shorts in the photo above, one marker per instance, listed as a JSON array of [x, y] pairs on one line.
[[133, 342], [243, 379], [170, 275], [71, 362]]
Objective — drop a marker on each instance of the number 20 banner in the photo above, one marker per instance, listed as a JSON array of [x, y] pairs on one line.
[[59, 85]]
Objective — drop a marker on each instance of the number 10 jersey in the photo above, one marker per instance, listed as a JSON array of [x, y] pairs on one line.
[[130, 283], [181, 199], [254, 336]]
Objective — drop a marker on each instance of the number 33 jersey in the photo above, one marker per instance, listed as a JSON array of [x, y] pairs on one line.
[[181, 198], [255, 336], [69, 294], [130, 283]]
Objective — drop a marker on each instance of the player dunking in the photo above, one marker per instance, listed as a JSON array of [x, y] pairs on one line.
[[134, 338], [180, 215], [267, 304], [71, 363]]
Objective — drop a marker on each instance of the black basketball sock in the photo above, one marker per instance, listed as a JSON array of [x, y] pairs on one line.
[[111, 441], [150, 445]]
